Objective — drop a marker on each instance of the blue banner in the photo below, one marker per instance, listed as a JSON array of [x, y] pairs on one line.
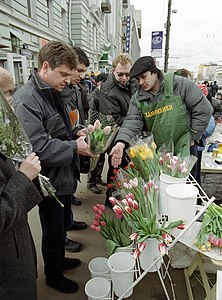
[[157, 40]]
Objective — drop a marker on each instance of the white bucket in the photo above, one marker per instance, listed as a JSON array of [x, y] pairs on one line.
[[128, 249], [98, 288], [121, 266], [149, 254], [165, 181], [98, 267], [181, 200]]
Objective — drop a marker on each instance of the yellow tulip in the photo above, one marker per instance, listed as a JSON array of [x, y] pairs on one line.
[[132, 152]]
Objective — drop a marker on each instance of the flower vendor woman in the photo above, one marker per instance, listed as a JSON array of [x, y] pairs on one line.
[[169, 106]]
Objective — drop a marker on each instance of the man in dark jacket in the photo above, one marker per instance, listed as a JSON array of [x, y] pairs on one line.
[[169, 106], [114, 98], [41, 106], [78, 104]]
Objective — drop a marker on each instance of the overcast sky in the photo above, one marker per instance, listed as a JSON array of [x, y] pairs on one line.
[[195, 32]]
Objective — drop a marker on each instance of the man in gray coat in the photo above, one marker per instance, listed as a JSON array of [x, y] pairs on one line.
[[169, 106], [41, 106]]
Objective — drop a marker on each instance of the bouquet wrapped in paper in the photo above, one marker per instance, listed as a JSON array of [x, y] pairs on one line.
[[142, 153], [175, 166], [101, 131], [15, 144]]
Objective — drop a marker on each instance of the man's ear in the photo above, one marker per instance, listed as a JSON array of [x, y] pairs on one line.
[[45, 67]]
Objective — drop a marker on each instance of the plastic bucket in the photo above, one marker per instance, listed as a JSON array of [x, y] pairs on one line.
[[165, 181], [149, 254], [98, 288], [121, 266], [98, 267], [181, 199]]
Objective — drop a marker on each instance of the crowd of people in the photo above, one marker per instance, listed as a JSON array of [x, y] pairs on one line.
[[52, 108]]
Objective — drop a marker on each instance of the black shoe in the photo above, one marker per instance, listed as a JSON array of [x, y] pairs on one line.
[[95, 189], [77, 226], [63, 285], [71, 263], [72, 246], [108, 204], [76, 201], [101, 182]]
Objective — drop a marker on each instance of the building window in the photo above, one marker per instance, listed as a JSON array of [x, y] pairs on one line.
[[50, 14], [94, 37], [64, 24], [31, 6]]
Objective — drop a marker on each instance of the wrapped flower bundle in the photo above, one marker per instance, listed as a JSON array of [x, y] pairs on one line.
[[114, 229], [15, 144], [175, 166], [210, 234], [143, 155], [101, 131]]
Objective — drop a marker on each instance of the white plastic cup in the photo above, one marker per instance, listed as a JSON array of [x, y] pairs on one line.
[[121, 265], [98, 267], [165, 181], [181, 199], [98, 288]]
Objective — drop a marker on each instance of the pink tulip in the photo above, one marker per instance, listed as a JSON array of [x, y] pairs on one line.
[[124, 202], [135, 204], [161, 161], [162, 248], [107, 130], [91, 128], [95, 208], [117, 209], [130, 195], [150, 184], [97, 217], [134, 236], [145, 188], [128, 209], [167, 156], [142, 246], [167, 238], [99, 212], [125, 185], [130, 202], [103, 223], [136, 253], [102, 207], [97, 228], [92, 226], [97, 125], [211, 239], [134, 182], [95, 222], [181, 226], [113, 200]]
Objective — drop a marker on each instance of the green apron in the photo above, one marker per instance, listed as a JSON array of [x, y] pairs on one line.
[[167, 119]]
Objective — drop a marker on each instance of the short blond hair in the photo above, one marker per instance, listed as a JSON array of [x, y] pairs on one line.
[[122, 59]]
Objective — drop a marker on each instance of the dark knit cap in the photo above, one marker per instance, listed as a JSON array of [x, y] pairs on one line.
[[142, 65]]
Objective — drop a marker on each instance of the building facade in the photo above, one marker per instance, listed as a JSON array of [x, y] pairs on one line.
[[97, 26]]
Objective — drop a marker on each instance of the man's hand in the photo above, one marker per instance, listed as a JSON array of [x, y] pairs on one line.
[[82, 132], [117, 154], [31, 166], [83, 147]]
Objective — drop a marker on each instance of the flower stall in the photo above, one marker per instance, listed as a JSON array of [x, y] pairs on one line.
[[154, 231]]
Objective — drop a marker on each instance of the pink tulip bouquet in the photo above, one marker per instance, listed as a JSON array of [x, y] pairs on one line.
[[113, 228], [139, 207], [101, 131], [172, 165]]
